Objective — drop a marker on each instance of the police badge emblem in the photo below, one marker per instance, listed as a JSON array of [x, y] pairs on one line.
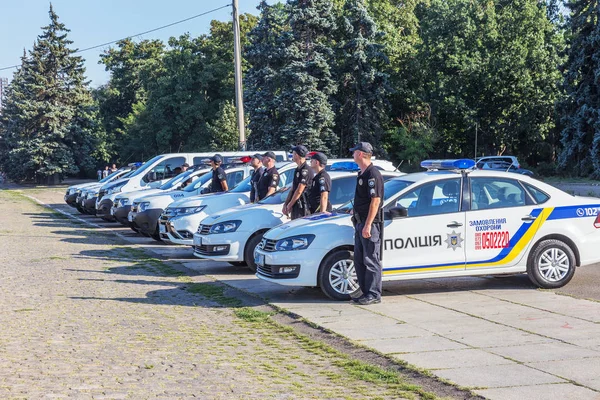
[[372, 182], [454, 240], [360, 181]]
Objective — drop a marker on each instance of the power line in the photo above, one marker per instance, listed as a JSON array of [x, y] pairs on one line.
[[141, 33]]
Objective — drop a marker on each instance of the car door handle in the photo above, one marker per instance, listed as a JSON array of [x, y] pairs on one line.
[[528, 218], [454, 224]]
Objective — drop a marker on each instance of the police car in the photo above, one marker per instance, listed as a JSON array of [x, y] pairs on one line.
[[180, 220], [233, 234], [73, 191], [146, 210], [122, 204], [452, 221]]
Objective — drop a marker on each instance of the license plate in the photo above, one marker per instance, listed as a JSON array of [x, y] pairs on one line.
[[129, 217], [197, 241], [259, 259], [162, 228]]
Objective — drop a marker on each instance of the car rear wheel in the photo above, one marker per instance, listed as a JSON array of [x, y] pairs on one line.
[[551, 264], [156, 234], [337, 276], [249, 250]]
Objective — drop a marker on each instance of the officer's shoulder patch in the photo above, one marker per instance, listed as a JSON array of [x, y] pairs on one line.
[[372, 182], [275, 176], [322, 181], [304, 172]]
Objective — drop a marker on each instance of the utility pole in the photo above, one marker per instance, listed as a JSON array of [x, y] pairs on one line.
[[475, 141], [237, 58]]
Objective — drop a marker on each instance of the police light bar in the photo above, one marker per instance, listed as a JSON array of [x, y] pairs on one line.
[[345, 166], [245, 159], [462, 163], [310, 154]]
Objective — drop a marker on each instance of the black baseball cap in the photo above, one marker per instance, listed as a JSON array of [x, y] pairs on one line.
[[320, 157], [216, 159], [365, 147], [185, 165], [270, 154], [301, 150], [257, 156]]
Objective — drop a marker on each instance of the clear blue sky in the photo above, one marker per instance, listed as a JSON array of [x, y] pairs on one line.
[[96, 22]]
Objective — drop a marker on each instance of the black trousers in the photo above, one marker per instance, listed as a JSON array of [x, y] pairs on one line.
[[367, 260], [299, 211]]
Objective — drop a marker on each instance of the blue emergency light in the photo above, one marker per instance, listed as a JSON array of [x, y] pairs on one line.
[[344, 166], [462, 163]]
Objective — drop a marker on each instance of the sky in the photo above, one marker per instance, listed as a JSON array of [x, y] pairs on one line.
[[96, 22]]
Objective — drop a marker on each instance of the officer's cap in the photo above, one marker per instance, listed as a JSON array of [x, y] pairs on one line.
[[257, 156], [216, 159], [320, 157], [365, 147], [269, 154], [301, 150]]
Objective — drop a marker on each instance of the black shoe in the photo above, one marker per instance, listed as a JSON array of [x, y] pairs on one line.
[[355, 300], [365, 301]]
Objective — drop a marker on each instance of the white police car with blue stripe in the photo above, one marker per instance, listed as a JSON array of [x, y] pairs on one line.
[[449, 221]]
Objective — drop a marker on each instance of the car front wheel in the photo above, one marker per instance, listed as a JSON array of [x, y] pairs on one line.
[[551, 264], [337, 276]]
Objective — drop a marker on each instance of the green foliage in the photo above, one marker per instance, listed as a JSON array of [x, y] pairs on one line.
[[49, 124], [223, 132]]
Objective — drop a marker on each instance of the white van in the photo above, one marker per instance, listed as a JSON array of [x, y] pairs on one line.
[[157, 171]]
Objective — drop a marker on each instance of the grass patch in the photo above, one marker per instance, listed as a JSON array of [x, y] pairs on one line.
[[58, 258], [251, 315], [214, 292], [25, 309]]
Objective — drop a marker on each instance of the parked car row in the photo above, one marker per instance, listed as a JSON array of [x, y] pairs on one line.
[[451, 220]]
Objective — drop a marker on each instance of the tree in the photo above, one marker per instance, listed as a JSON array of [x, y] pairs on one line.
[[307, 83], [262, 82], [49, 120], [224, 130], [363, 88], [580, 110]]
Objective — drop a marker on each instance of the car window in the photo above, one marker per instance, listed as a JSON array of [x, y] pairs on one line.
[[164, 170], [342, 190], [496, 193], [233, 178], [539, 196], [286, 177], [197, 184], [244, 186], [431, 198], [201, 161], [278, 197]]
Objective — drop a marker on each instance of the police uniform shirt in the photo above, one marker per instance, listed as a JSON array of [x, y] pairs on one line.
[[269, 179], [321, 183], [256, 175], [218, 176], [369, 184], [302, 175]]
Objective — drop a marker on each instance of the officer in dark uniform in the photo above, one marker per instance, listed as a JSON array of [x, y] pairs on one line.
[[368, 225], [256, 163], [267, 185], [219, 177], [318, 196], [296, 203]]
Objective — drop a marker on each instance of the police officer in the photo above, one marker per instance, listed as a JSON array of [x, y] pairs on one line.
[[267, 185], [219, 177], [318, 196], [256, 163], [368, 225], [296, 203]]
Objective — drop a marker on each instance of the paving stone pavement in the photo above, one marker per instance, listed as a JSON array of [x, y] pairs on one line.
[[82, 316], [500, 337]]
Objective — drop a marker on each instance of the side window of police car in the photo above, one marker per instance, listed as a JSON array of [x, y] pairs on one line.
[[164, 169], [286, 177], [489, 193], [233, 178], [344, 190], [431, 198]]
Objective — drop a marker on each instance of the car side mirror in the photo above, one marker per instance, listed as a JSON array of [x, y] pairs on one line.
[[397, 212]]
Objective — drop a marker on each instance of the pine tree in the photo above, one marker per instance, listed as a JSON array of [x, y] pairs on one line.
[[362, 84], [50, 124], [224, 130], [580, 111], [307, 82], [262, 83]]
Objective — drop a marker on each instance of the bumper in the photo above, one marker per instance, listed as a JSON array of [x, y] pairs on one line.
[[103, 209], [305, 263], [209, 246], [147, 220], [121, 214], [89, 205], [71, 199], [180, 230]]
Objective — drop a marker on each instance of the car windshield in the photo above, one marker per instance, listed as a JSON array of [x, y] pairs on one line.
[[390, 188], [243, 186], [146, 166], [175, 180], [198, 183], [111, 176], [278, 197]]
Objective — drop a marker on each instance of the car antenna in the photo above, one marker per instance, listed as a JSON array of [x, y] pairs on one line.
[[397, 168]]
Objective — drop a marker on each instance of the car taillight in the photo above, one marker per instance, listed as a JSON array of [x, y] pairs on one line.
[[597, 221]]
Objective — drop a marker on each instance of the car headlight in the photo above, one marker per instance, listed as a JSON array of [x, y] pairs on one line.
[[143, 206], [115, 189], [187, 210], [123, 202], [225, 227], [299, 242]]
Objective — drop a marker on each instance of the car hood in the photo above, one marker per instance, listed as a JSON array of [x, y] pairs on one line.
[[83, 185], [136, 194], [217, 201], [310, 224], [245, 211], [110, 184]]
